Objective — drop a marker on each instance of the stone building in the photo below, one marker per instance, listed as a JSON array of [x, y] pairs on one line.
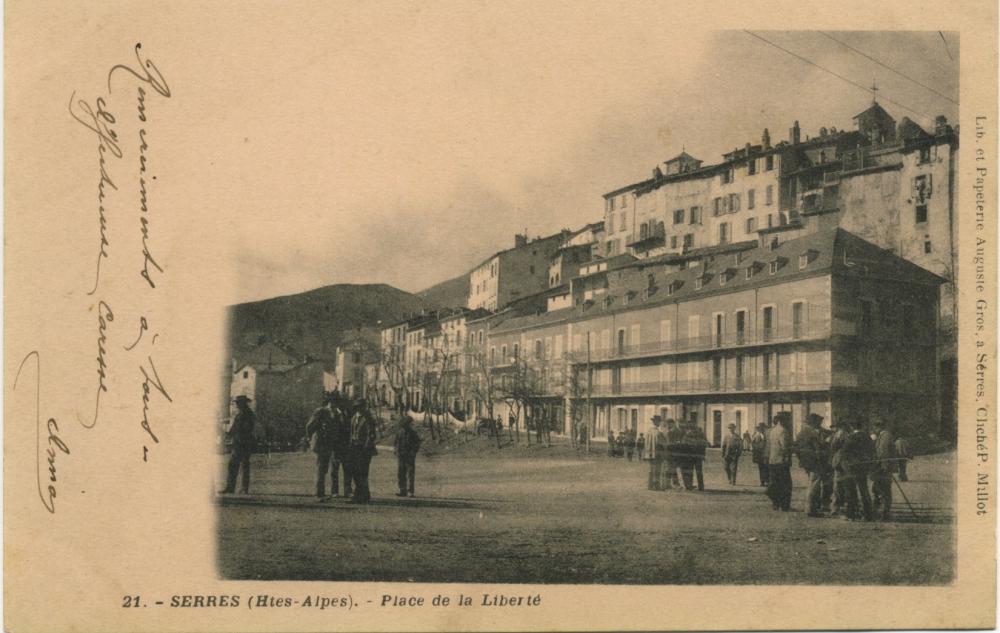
[[513, 273]]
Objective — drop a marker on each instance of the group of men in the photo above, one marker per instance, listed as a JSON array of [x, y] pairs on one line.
[[838, 461], [342, 434], [678, 448], [626, 444]]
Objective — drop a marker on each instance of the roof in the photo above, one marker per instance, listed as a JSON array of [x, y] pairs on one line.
[[874, 109], [680, 157], [835, 251]]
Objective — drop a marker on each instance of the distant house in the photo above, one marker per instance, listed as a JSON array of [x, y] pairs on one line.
[[282, 396]]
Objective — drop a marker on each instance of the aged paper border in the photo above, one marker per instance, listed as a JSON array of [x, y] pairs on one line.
[[150, 529]]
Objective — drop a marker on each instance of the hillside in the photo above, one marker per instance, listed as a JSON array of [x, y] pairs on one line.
[[314, 322], [452, 293]]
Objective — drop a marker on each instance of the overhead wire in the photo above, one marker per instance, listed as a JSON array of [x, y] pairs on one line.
[[923, 115], [888, 67]]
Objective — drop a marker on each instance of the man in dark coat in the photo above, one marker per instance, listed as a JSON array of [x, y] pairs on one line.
[[673, 459], [885, 466], [837, 441], [657, 452], [697, 444], [241, 432], [814, 458], [903, 454], [361, 450], [341, 461], [320, 430], [856, 458], [732, 447], [779, 461], [758, 451], [407, 444]]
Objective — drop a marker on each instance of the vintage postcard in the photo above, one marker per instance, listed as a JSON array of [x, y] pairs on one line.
[[511, 316]]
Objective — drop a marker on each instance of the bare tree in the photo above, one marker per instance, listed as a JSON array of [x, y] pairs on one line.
[[481, 382]]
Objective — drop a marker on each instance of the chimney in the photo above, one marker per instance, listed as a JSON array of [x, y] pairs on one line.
[[520, 240], [746, 149], [795, 134], [765, 139], [941, 125]]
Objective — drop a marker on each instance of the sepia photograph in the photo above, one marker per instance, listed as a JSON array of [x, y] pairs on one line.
[[597, 313]]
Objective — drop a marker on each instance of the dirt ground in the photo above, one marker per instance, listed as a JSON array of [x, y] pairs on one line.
[[554, 515]]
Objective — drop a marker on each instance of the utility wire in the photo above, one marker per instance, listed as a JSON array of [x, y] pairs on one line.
[[926, 117], [946, 49], [888, 67]]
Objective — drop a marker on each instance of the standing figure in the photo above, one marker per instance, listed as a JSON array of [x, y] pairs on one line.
[[758, 451], [814, 458], [241, 431], [885, 466], [630, 446], [320, 430], [837, 441], [657, 451], [674, 458], [640, 446], [857, 456], [732, 447], [747, 442], [903, 455], [407, 444], [611, 443], [361, 451], [779, 462], [697, 444]]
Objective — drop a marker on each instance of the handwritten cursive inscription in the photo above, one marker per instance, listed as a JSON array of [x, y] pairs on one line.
[[99, 122], [148, 384], [104, 316], [54, 444]]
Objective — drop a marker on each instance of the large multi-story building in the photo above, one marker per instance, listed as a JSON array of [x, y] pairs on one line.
[[785, 277], [513, 273]]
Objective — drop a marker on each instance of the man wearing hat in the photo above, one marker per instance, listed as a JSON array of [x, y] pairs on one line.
[[779, 461], [361, 450], [758, 448], [321, 430], [732, 447], [407, 444], [657, 451], [885, 466], [241, 432], [814, 457]]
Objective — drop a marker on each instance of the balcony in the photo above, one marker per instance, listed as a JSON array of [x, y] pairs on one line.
[[810, 381], [792, 333]]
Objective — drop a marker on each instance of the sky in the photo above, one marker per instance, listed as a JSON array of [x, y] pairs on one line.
[[406, 148]]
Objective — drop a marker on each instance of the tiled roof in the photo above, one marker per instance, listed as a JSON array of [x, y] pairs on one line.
[[834, 250]]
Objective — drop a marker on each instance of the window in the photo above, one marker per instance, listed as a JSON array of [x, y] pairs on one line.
[[922, 187], [612, 201], [503, 352], [925, 154], [927, 246], [516, 345], [611, 247], [751, 198], [770, 369], [720, 329], [679, 216], [734, 202], [751, 225], [689, 240], [480, 337], [716, 373], [752, 166], [624, 201], [867, 311], [798, 318], [611, 223], [767, 323], [740, 361], [769, 162], [246, 374], [717, 207], [769, 195], [723, 232], [727, 176], [774, 267], [538, 348], [921, 215], [695, 215], [673, 241], [698, 283], [803, 260], [741, 326]]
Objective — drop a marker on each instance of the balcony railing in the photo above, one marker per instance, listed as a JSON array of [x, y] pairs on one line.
[[730, 339], [810, 381]]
